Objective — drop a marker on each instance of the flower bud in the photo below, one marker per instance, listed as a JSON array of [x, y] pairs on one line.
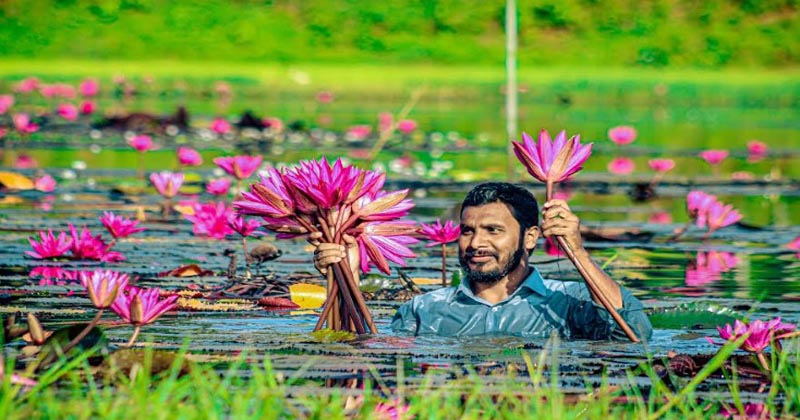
[[35, 328], [137, 311]]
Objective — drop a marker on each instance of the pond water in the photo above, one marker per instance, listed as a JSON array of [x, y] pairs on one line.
[[689, 285]]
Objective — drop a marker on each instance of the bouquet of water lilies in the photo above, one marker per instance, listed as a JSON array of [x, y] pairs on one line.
[[342, 204]]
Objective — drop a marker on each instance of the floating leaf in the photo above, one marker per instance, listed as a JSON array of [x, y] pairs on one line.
[[426, 280], [15, 181], [327, 335], [188, 270], [226, 305], [272, 302], [126, 360], [184, 209], [308, 296]]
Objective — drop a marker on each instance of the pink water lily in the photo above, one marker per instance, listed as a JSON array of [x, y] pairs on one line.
[[720, 215], [240, 167], [84, 246], [141, 143], [103, 286], [89, 88], [68, 112], [697, 205], [140, 307], [24, 161], [622, 135], [268, 198], [88, 107], [212, 220], [385, 121], [661, 165], [118, 226], [708, 267], [27, 85], [714, 157], [6, 102], [45, 183], [406, 126], [23, 124], [381, 242], [438, 233], [189, 157], [49, 246], [219, 186], [552, 161], [621, 166], [358, 133], [167, 183], [761, 334], [220, 126], [244, 227]]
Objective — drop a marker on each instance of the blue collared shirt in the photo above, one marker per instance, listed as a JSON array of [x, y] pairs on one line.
[[536, 309]]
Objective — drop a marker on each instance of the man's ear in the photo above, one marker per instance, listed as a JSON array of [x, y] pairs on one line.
[[531, 236]]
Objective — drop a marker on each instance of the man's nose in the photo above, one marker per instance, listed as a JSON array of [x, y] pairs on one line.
[[477, 240]]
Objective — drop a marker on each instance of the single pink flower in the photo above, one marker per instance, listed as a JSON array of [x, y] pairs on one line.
[[720, 215], [392, 410], [358, 133], [49, 245], [244, 227], [23, 124], [661, 165], [697, 205], [621, 166], [660, 218], [68, 112], [220, 126], [141, 143], [218, 186], [714, 157], [794, 245], [273, 124], [89, 88], [552, 161], [103, 286], [88, 247], [622, 134], [27, 85], [385, 121], [380, 242], [407, 126], [25, 162], [167, 183], [756, 151], [88, 107], [189, 157], [439, 234], [325, 97], [761, 333], [142, 306], [45, 183], [118, 226], [211, 219], [240, 167], [6, 102]]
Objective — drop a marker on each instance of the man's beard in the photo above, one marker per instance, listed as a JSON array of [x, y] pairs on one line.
[[493, 276]]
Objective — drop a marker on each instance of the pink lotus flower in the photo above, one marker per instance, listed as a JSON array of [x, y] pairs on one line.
[[6, 102], [23, 124], [358, 133], [240, 167], [393, 410], [273, 124], [220, 126], [794, 245], [622, 135], [661, 165], [45, 183], [68, 112], [88, 247], [621, 166], [244, 227], [697, 204], [385, 121], [268, 198], [761, 333], [167, 183], [142, 306], [439, 234], [103, 286], [218, 186], [720, 215], [708, 267], [325, 97], [211, 220], [118, 226], [141, 143], [189, 157], [89, 88], [714, 157], [407, 126], [756, 151], [660, 218], [88, 107], [50, 246], [552, 161], [25, 162], [381, 242], [27, 85]]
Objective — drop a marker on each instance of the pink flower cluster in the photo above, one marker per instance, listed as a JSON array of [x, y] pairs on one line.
[[83, 245], [708, 212], [212, 220], [708, 267]]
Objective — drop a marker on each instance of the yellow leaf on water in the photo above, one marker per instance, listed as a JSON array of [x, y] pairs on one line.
[[184, 210], [425, 280], [308, 296], [15, 181]]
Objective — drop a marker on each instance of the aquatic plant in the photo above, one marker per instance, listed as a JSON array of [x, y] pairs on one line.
[[714, 157], [719, 215], [85, 246], [758, 335], [89, 88], [6, 102], [189, 157], [622, 135], [167, 183], [211, 219], [756, 150], [23, 124], [441, 234], [88, 107], [239, 167], [45, 183], [621, 166], [245, 228], [68, 112], [221, 126], [219, 186], [661, 167], [141, 143], [554, 161], [406, 126], [118, 226], [140, 307], [49, 246], [336, 204], [705, 211]]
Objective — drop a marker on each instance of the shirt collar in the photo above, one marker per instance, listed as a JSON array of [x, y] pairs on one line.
[[533, 282]]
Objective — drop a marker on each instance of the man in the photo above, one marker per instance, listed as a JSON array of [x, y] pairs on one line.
[[501, 293]]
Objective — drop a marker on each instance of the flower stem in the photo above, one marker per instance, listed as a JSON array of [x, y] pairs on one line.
[[133, 337], [85, 331], [763, 361], [246, 258], [444, 265]]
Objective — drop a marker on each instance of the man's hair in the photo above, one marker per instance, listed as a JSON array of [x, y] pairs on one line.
[[521, 202]]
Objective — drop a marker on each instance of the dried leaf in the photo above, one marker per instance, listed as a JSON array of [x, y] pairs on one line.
[[220, 305], [271, 302], [188, 270], [308, 296], [15, 181]]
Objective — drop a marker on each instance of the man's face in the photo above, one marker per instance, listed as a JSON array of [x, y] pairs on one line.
[[490, 245]]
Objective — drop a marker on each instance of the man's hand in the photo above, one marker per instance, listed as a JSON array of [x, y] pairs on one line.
[[559, 220], [328, 253]]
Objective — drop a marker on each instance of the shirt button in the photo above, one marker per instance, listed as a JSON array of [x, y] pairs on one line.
[[495, 309]]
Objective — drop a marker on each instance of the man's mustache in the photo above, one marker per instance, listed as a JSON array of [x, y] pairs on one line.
[[479, 253]]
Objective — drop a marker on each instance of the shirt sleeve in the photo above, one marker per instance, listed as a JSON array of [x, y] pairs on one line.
[[405, 320], [591, 320]]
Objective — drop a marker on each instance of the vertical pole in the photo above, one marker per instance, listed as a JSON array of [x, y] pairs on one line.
[[511, 83]]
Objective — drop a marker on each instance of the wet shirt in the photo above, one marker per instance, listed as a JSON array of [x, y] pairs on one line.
[[536, 309]]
